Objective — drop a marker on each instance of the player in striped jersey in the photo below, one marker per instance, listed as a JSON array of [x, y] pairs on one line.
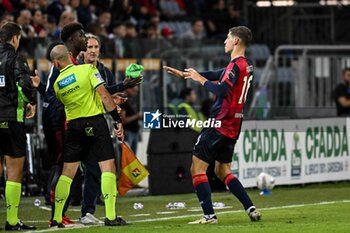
[[217, 144]]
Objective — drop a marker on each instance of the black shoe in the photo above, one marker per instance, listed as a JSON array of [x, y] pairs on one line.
[[19, 226], [119, 221], [55, 224]]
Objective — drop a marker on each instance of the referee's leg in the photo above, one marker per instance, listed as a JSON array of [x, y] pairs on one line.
[[63, 188], [13, 187], [109, 187]]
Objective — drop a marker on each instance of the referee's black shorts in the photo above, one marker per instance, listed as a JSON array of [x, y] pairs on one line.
[[13, 140], [212, 146], [86, 136]]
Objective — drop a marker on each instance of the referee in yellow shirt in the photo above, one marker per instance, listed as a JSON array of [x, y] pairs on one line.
[[82, 91]]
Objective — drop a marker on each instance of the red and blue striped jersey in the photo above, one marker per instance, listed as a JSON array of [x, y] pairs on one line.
[[229, 108]]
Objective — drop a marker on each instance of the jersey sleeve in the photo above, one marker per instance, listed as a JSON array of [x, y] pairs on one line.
[[213, 75], [56, 90], [22, 74], [95, 78], [231, 74]]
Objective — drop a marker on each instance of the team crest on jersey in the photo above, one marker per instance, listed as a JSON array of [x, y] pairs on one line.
[[2, 81], [66, 81], [98, 76]]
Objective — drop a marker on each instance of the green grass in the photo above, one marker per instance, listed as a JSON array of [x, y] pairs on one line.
[[298, 210]]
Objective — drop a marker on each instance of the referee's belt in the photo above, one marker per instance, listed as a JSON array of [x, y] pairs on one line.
[[45, 105]]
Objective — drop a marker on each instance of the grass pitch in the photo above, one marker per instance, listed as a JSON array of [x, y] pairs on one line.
[[312, 208]]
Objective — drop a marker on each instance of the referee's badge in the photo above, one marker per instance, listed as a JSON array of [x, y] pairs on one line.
[[98, 76], [89, 131], [2, 81]]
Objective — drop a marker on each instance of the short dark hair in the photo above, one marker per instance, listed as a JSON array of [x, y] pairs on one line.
[[185, 92], [51, 46], [69, 30], [8, 30], [345, 70], [244, 33], [194, 21]]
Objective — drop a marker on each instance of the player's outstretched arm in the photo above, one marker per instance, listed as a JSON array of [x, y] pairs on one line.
[[194, 75], [174, 71]]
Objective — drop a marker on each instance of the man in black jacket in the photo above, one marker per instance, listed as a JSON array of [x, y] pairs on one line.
[[15, 91], [92, 180]]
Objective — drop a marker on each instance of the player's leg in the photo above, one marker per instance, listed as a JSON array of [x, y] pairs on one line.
[[92, 187], [203, 191], [203, 153], [223, 172]]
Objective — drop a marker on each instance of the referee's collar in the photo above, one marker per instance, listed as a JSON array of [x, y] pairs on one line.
[[66, 68]]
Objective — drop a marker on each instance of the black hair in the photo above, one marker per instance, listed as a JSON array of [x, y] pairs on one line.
[[185, 92], [194, 21], [8, 30], [244, 33], [345, 70], [69, 30], [51, 46]]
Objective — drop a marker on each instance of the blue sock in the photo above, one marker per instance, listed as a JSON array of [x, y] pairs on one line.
[[238, 190], [203, 191]]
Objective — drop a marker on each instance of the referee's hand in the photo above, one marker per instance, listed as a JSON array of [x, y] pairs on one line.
[[119, 131]]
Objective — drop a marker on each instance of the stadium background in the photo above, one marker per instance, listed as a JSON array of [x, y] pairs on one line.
[[299, 50]]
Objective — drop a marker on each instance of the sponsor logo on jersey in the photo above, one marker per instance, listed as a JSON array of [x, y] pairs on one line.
[[66, 81]]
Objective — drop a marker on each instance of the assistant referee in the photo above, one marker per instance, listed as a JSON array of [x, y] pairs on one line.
[[81, 89]]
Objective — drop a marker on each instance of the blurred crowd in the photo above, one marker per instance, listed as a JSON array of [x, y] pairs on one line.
[[124, 19]]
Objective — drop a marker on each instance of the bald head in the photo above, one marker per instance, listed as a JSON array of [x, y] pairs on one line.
[[60, 53]]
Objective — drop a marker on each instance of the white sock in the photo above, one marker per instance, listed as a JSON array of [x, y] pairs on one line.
[[250, 209]]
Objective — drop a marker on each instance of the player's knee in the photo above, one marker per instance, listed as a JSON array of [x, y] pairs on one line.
[[14, 175], [219, 173], [107, 166], [69, 169], [197, 168], [193, 170]]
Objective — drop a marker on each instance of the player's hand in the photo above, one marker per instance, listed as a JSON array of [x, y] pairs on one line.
[[119, 131], [194, 75], [35, 79], [30, 111], [131, 82], [174, 71], [119, 98]]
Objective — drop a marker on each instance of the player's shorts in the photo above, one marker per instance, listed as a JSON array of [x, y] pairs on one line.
[[86, 136], [12, 139], [213, 146]]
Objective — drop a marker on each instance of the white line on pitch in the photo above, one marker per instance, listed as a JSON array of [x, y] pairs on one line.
[[166, 212], [196, 215], [139, 215]]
